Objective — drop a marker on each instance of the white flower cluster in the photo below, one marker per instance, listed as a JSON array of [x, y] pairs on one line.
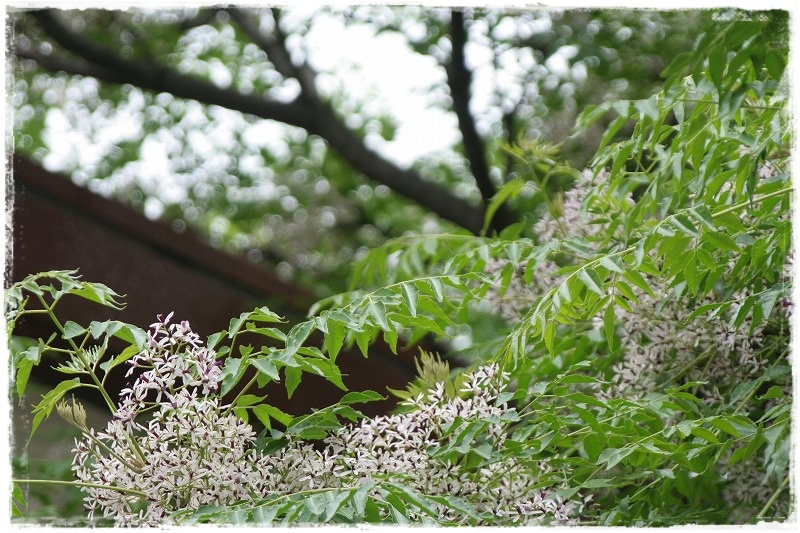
[[512, 303], [566, 218], [659, 340], [661, 343], [569, 218], [404, 447], [191, 452]]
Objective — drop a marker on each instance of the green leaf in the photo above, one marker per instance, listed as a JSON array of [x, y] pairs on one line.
[[334, 337], [361, 397], [98, 293], [265, 411], [263, 314], [703, 216], [577, 378], [324, 368], [766, 302], [126, 354], [684, 428], [590, 115], [127, 332], [363, 339], [690, 273], [24, 368], [72, 330], [43, 409], [391, 336], [429, 306], [647, 108], [549, 336], [296, 337], [377, 310], [214, 339], [742, 313], [706, 258], [775, 64], [744, 453], [508, 190], [597, 483], [360, 496], [626, 291], [773, 392], [340, 497], [438, 288], [612, 263], [634, 277], [620, 160], [720, 240], [609, 323], [705, 434], [410, 294], [719, 307], [564, 292], [593, 445], [17, 501], [611, 131], [293, 376], [266, 367], [591, 279], [247, 400], [724, 425], [413, 497], [716, 65], [684, 224], [612, 456], [236, 324], [232, 372]]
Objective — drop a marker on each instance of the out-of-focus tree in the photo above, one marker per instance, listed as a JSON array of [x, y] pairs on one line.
[[266, 153]]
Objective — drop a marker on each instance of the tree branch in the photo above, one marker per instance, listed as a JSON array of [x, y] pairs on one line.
[[406, 182], [160, 78], [314, 116], [275, 48], [60, 62], [509, 118], [203, 16], [459, 79]]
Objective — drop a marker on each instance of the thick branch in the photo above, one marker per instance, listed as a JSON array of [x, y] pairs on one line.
[[314, 116], [59, 62], [459, 79], [509, 118], [406, 182], [160, 78]]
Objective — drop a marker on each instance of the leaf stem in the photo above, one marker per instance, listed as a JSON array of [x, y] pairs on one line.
[[80, 484], [78, 353], [773, 498], [240, 394]]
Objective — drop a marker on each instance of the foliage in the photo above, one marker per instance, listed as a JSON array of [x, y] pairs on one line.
[[281, 194], [637, 369]]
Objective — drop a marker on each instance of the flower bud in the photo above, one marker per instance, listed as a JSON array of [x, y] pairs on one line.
[[74, 414]]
